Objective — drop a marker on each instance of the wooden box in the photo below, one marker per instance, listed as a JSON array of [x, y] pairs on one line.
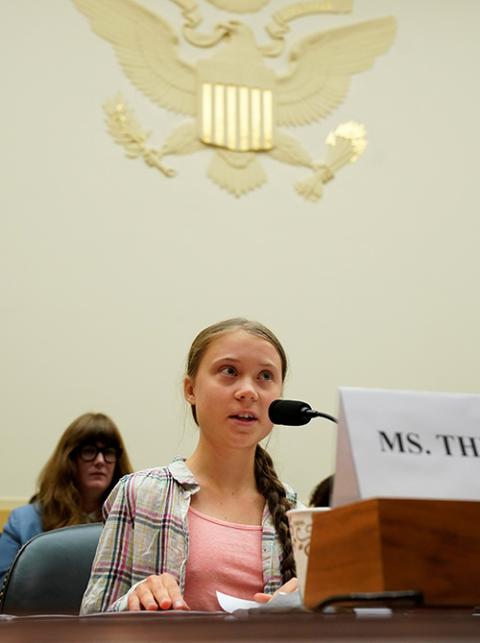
[[432, 546]]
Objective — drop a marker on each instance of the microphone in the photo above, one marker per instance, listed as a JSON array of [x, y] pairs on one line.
[[294, 413]]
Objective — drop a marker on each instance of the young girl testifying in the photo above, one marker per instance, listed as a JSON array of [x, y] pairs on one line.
[[216, 521]]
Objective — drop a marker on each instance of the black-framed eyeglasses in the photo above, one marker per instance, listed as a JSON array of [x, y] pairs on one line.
[[89, 452]]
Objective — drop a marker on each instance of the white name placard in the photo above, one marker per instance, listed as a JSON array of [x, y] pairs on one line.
[[407, 444]]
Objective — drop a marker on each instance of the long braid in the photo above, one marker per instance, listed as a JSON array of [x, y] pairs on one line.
[[274, 493]]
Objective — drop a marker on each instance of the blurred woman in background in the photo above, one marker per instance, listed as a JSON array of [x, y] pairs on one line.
[[88, 461]]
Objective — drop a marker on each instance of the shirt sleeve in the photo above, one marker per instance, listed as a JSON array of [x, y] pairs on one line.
[[111, 576], [299, 504], [292, 497], [10, 543]]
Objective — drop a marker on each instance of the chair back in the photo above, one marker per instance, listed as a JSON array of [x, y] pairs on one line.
[[50, 572]]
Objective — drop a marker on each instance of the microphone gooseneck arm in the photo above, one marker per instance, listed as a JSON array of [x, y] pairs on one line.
[[318, 414]]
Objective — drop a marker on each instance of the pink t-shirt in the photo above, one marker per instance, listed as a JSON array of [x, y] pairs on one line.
[[223, 556]]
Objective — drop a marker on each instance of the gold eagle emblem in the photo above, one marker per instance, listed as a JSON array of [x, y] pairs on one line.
[[239, 104]]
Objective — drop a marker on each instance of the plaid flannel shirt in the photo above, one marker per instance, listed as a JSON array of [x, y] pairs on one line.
[[146, 532]]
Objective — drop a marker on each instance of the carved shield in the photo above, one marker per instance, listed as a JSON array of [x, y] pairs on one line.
[[236, 106]]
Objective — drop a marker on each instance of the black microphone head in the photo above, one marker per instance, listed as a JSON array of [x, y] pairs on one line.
[[289, 412]]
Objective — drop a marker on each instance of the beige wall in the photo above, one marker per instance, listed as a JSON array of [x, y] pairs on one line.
[[108, 269]]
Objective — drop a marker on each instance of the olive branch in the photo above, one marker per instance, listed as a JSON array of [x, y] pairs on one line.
[[126, 131]]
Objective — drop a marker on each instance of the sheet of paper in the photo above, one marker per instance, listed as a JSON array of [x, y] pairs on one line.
[[282, 601], [232, 603]]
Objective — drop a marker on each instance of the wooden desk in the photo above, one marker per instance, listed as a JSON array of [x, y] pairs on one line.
[[417, 625]]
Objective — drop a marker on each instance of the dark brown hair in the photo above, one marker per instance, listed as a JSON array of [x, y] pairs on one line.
[[268, 483], [58, 495], [322, 493]]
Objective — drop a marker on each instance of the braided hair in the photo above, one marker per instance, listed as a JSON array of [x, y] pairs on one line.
[[274, 493], [266, 477]]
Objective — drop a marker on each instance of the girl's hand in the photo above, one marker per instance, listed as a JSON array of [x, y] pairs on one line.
[[156, 593], [289, 586]]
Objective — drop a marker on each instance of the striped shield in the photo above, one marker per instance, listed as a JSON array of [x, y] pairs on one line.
[[233, 115]]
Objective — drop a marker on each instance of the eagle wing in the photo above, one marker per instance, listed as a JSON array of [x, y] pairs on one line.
[[321, 66], [146, 48]]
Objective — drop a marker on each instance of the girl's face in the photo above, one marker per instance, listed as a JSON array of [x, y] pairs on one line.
[[239, 376]]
